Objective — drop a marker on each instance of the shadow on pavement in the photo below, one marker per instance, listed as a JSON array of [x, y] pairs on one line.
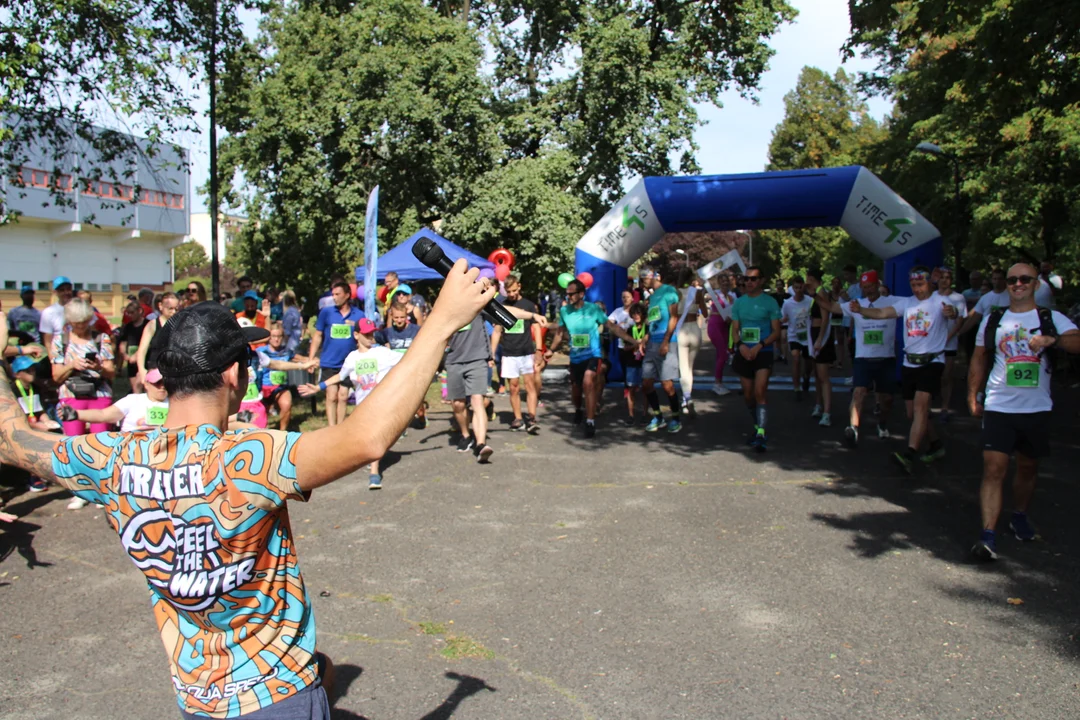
[[467, 686]]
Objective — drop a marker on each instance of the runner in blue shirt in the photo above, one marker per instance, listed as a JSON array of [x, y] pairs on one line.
[[755, 323], [582, 322], [660, 363], [334, 336]]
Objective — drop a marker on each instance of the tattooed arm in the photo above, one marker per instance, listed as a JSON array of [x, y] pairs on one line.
[[32, 450]]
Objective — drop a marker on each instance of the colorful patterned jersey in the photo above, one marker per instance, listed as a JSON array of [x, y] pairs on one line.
[[202, 514]]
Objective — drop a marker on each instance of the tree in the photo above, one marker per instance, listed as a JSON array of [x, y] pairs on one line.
[[188, 257], [825, 124], [998, 85], [339, 97], [80, 78]]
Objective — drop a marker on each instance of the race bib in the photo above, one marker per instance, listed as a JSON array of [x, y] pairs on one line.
[[30, 405], [278, 377], [518, 328], [655, 313], [580, 342], [873, 337], [252, 392], [750, 335], [801, 336], [340, 332], [467, 327], [1022, 374], [367, 366], [156, 416]]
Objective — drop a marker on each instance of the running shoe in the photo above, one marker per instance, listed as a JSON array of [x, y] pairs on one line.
[[816, 412], [752, 440], [674, 425], [935, 453], [720, 390], [905, 461], [579, 415], [655, 424], [851, 436], [849, 381], [532, 427], [517, 424], [38, 485], [590, 430], [374, 482], [77, 503], [689, 409], [483, 452], [761, 440], [826, 420], [1021, 527], [883, 432], [465, 443], [985, 549]]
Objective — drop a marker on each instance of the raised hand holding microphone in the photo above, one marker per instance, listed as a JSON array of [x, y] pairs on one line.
[[427, 252]]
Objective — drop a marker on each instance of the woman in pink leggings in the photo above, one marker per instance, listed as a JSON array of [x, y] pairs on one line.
[[718, 324], [83, 367]]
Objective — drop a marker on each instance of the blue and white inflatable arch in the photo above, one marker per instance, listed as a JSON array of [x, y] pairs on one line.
[[852, 198]]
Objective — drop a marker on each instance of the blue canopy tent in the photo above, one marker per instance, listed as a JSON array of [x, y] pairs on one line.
[[408, 268]]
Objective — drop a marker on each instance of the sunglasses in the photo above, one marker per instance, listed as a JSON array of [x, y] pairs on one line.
[[1022, 279], [193, 290], [755, 278]]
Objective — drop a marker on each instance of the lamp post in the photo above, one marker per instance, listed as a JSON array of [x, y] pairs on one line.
[[686, 257], [959, 240]]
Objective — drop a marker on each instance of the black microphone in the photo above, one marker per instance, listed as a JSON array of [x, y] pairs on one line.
[[427, 252]]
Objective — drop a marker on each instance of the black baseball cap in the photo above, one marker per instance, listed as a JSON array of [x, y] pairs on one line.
[[204, 338]]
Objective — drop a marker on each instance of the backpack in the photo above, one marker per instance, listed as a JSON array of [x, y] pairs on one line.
[[1046, 327]]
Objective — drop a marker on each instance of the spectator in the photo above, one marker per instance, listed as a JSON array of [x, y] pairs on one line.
[[52, 318], [243, 286], [194, 293], [146, 299], [252, 316], [128, 343], [291, 321], [169, 305], [327, 299], [1049, 285], [26, 319], [101, 324], [974, 291], [277, 309]]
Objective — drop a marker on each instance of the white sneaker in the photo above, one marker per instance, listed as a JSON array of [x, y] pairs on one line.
[[826, 420], [882, 432], [849, 381], [77, 503], [720, 390], [817, 412]]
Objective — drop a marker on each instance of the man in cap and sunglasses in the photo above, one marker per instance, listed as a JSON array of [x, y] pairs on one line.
[[1016, 406], [203, 511], [926, 332]]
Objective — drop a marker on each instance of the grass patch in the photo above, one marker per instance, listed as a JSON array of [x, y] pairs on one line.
[[382, 598], [432, 628], [460, 646]]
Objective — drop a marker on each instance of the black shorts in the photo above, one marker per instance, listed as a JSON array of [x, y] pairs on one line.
[[877, 374], [748, 368], [827, 354], [798, 347], [578, 370], [925, 378], [1025, 433], [325, 373]]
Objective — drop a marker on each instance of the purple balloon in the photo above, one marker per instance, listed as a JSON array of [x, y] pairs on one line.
[[487, 273]]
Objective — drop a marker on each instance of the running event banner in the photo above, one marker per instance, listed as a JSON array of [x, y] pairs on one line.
[[371, 255]]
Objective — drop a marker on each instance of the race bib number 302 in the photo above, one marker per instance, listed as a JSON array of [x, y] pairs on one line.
[[340, 332], [1022, 374]]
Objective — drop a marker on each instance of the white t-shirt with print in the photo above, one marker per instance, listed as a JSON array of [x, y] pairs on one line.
[[367, 369], [52, 320], [925, 327], [1019, 381], [957, 301], [796, 315], [137, 411], [992, 300], [874, 338], [621, 317]]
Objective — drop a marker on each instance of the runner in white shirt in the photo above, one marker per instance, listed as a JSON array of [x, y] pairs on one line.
[[138, 411], [364, 368], [52, 317], [998, 297], [795, 316], [925, 334], [1017, 404], [948, 294], [875, 356]]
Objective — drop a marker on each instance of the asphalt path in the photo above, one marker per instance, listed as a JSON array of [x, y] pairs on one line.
[[628, 576]]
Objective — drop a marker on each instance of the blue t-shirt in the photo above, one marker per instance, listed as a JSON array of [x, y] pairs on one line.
[[660, 303], [397, 340], [755, 316], [583, 324], [337, 332], [272, 378]]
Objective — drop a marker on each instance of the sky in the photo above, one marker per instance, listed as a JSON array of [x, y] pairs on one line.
[[735, 138]]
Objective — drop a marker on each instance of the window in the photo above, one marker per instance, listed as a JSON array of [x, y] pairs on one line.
[[77, 287], [45, 286], [106, 286], [10, 285], [125, 288], [92, 287]]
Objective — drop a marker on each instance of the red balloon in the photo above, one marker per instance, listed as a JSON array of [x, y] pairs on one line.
[[353, 286], [585, 279], [502, 256], [502, 272], [382, 293]]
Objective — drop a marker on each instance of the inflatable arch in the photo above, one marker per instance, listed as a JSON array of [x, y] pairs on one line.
[[852, 198]]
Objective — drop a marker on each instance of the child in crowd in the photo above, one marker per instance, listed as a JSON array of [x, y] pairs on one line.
[[632, 360], [138, 411]]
